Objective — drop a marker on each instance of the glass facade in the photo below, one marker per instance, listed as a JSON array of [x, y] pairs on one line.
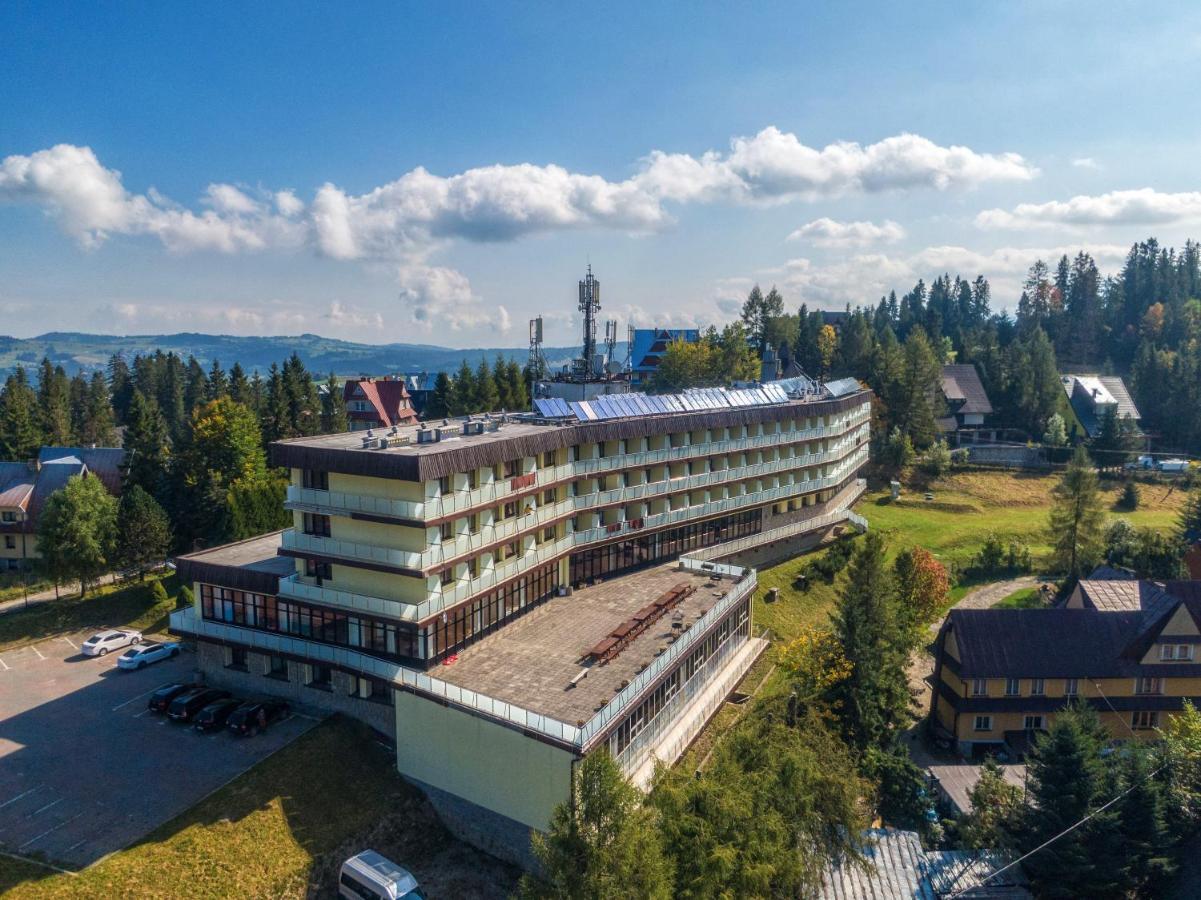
[[621, 556], [646, 723]]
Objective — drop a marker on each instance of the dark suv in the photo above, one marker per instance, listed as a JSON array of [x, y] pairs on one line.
[[251, 718], [161, 699], [214, 715], [187, 704]]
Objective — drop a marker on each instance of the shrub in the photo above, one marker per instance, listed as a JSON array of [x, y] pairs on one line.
[[995, 559], [1130, 496], [898, 450], [937, 459]]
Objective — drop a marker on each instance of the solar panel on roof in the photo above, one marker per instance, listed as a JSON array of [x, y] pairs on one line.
[[564, 409], [607, 410], [628, 406], [599, 407], [657, 404], [640, 403], [588, 411], [577, 410], [541, 406]]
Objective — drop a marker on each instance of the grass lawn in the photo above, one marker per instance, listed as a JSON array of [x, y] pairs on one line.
[[13, 587], [281, 830], [129, 605], [1027, 598]]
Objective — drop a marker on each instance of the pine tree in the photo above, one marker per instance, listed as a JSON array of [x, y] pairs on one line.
[[519, 395], [171, 395], [334, 419], [1039, 389], [240, 388], [77, 392], [487, 397], [462, 395], [1188, 526], [912, 401], [143, 531], [54, 404], [218, 384], [994, 820], [196, 386], [1113, 445], [1077, 518], [438, 405], [874, 701], [120, 386], [276, 419], [603, 843], [1145, 838], [504, 394], [20, 431], [147, 446], [99, 425]]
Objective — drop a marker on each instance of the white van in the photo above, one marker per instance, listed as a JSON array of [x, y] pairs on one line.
[[369, 876]]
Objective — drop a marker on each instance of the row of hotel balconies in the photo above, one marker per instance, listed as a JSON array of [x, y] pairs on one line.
[[527, 521], [440, 596], [454, 502]]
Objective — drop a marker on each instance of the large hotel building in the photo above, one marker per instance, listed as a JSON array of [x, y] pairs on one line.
[[502, 595]]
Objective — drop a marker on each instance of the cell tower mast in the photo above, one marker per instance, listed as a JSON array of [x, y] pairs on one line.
[[537, 362], [589, 306]]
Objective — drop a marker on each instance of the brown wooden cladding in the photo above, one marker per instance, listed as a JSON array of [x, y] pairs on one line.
[[433, 464], [226, 575]]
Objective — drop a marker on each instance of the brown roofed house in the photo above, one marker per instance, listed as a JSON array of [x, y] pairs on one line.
[[967, 403], [378, 403]]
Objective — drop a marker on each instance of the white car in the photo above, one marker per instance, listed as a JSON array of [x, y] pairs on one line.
[[106, 641], [143, 655]]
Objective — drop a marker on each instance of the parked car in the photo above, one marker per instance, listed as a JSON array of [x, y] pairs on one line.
[[216, 714], [368, 874], [253, 716], [144, 654], [161, 699], [105, 642], [187, 704]]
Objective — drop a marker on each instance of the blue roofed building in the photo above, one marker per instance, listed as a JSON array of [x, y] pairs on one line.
[[648, 347]]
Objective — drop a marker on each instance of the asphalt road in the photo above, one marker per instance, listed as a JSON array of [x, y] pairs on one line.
[[85, 769]]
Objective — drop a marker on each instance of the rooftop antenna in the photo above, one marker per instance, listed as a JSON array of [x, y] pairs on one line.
[[610, 342], [537, 362], [589, 306], [629, 367]]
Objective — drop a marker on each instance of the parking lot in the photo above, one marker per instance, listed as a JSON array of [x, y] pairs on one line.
[[85, 769]]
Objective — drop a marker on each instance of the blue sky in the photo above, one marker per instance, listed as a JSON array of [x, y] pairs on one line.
[[441, 173]]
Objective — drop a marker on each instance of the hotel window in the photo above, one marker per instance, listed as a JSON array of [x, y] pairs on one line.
[[314, 480], [277, 667], [237, 659], [473, 567], [548, 533], [472, 480], [1038, 687], [548, 497], [444, 484], [315, 524], [1175, 651], [979, 687], [548, 459], [320, 677], [376, 690], [446, 530], [983, 723], [509, 510], [1033, 723], [512, 468], [446, 576], [1013, 687], [1149, 685], [10, 542], [473, 523], [319, 570], [1144, 719], [1070, 687]]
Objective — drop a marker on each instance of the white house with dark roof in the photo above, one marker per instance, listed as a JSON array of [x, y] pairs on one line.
[[1092, 396]]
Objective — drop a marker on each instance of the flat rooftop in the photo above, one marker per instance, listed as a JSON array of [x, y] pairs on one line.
[[532, 661], [257, 554]]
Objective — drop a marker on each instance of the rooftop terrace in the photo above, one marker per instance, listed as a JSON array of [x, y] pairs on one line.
[[532, 662]]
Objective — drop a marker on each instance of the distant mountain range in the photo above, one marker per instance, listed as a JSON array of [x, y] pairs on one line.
[[77, 351]]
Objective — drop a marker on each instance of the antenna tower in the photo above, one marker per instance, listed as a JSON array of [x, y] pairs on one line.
[[589, 306], [537, 362]]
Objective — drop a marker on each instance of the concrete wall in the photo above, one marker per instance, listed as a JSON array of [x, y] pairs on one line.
[[499, 768], [213, 662]]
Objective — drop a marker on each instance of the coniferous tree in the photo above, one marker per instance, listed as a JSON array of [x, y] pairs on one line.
[[99, 425], [218, 383], [276, 416], [602, 843], [334, 419], [77, 392], [240, 388], [995, 817], [487, 396], [441, 398], [1114, 444], [1077, 518], [171, 395], [504, 393], [912, 400], [120, 386], [519, 397], [1188, 525], [462, 395], [20, 430], [196, 386], [147, 446], [54, 404], [873, 701]]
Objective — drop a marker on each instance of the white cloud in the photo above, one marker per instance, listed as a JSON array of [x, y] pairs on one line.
[[825, 232], [341, 314], [1086, 162], [1145, 206], [402, 223]]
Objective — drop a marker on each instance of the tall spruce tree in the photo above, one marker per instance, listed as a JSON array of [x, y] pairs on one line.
[[334, 419], [218, 382], [462, 394], [20, 428], [240, 389], [54, 404], [487, 396], [1077, 518], [441, 397], [99, 424], [120, 385], [147, 446], [143, 531]]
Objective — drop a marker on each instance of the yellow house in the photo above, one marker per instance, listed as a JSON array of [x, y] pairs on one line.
[[1127, 648]]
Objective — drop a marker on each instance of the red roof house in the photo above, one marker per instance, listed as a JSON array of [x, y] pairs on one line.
[[378, 403]]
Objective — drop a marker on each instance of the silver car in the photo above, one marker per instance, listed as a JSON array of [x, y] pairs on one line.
[[144, 654], [104, 642]]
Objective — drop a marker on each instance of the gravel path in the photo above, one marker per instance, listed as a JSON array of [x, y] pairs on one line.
[[991, 594]]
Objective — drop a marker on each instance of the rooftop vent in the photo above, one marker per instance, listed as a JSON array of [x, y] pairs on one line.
[[428, 435], [445, 431], [494, 424], [473, 427]]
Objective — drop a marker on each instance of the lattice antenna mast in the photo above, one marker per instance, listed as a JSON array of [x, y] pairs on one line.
[[537, 362], [589, 306], [610, 342]]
